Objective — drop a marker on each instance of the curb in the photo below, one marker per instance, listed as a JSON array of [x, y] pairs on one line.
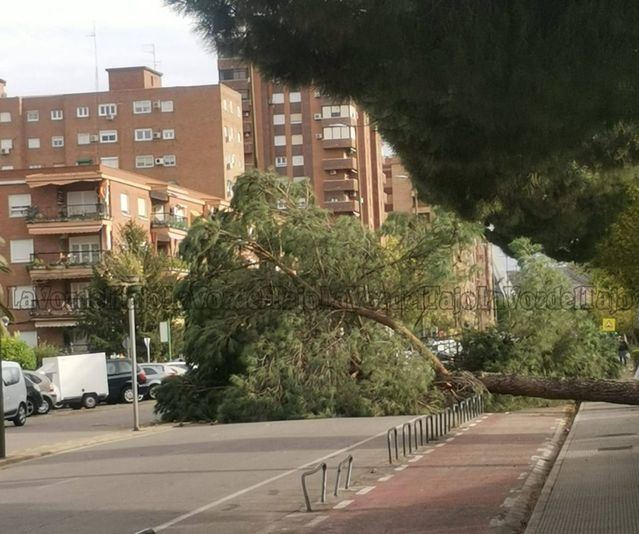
[[540, 506], [71, 446], [516, 520]]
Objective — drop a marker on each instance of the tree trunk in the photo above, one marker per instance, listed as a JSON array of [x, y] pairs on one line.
[[578, 389]]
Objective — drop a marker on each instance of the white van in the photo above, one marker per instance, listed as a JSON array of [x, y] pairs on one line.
[[14, 393]]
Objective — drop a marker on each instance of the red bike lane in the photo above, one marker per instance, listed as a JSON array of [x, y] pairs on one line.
[[465, 482]]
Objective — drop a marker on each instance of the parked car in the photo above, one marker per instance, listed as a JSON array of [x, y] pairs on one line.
[[155, 374], [179, 365], [14, 393], [119, 380], [34, 397], [48, 390]]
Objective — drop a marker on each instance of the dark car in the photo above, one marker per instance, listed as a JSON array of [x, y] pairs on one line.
[[119, 379], [34, 397]]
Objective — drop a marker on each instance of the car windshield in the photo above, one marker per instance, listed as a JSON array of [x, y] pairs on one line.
[[34, 377]]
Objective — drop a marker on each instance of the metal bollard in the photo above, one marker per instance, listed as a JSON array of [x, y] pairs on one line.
[[388, 441], [349, 460], [410, 445]]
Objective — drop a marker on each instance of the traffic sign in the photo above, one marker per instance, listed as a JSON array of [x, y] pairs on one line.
[[608, 324]]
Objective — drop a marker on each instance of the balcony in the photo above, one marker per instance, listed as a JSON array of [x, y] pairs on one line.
[[388, 187], [169, 220], [58, 309], [67, 219], [346, 185], [339, 143], [63, 265], [337, 164], [343, 206]]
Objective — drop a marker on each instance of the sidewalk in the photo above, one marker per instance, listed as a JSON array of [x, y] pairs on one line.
[[594, 485], [476, 480]]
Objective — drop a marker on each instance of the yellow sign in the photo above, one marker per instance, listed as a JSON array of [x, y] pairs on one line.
[[608, 324]]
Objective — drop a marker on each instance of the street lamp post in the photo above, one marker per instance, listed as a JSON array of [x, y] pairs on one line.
[[134, 365], [3, 448]]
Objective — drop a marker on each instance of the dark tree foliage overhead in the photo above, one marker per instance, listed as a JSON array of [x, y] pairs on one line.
[[510, 111]]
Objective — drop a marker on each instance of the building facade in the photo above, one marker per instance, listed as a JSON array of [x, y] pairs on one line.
[[58, 222], [190, 136], [302, 134]]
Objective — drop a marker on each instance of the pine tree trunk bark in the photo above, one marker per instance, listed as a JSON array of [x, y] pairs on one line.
[[578, 389]]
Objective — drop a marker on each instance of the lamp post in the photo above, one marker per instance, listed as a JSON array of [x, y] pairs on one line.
[[134, 364], [3, 448]]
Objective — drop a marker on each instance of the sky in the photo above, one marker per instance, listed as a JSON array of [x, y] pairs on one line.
[[46, 46]]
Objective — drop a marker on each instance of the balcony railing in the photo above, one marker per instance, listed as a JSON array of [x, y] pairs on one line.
[[65, 259], [69, 212], [169, 220], [60, 305]]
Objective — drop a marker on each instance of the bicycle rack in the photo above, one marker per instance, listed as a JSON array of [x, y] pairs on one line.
[[349, 460], [322, 467], [419, 420], [388, 442], [410, 445]]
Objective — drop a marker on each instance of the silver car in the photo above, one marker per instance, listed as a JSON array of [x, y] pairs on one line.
[[155, 373], [48, 390]]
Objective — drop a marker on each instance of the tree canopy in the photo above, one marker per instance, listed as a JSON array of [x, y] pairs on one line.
[[520, 113]]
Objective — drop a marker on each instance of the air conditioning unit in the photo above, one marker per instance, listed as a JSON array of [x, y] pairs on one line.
[[159, 161], [157, 135], [317, 116], [319, 136], [94, 138], [109, 117], [157, 104], [5, 151], [332, 172]]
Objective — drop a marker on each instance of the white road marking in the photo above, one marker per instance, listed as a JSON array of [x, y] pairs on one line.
[[429, 451], [342, 504], [472, 424], [248, 489], [449, 440], [365, 490], [316, 521], [458, 434], [416, 458], [440, 445], [401, 468], [385, 479]]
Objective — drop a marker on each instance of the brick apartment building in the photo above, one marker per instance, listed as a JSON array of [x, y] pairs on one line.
[[191, 136], [303, 134], [56, 224], [473, 303]]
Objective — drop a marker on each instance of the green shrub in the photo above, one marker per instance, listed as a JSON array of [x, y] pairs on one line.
[[15, 350], [45, 350]]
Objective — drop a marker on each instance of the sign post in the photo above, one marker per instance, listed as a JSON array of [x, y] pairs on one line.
[[165, 336]]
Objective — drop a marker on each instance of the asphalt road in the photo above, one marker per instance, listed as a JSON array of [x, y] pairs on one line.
[[64, 426], [195, 479]]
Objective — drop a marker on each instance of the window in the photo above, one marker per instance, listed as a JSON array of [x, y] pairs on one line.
[[239, 137], [144, 134], [142, 106], [11, 375], [280, 161], [33, 116], [295, 96], [110, 161], [57, 141], [19, 205], [82, 203], [298, 160], [225, 105], [296, 118], [23, 297], [168, 134], [82, 112], [279, 119], [142, 208], [21, 250], [233, 74], [124, 203], [297, 139], [84, 249], [6, 144], [166, 106], [277, 98], [6, 168], [279, 140], [226, 134], [169, 160], [5, 116], [35, 166], [143, 162], [339, 132], [33, 142], [108, 136], [57, 115], [107, 110], [84, 138]]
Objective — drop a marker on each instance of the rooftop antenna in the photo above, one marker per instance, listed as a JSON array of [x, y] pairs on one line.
[[150, 49], [95, 56]]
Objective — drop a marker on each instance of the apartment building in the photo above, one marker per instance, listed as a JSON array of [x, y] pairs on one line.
[[303, 134], [471, 304], [190, 136], [57, 222]]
